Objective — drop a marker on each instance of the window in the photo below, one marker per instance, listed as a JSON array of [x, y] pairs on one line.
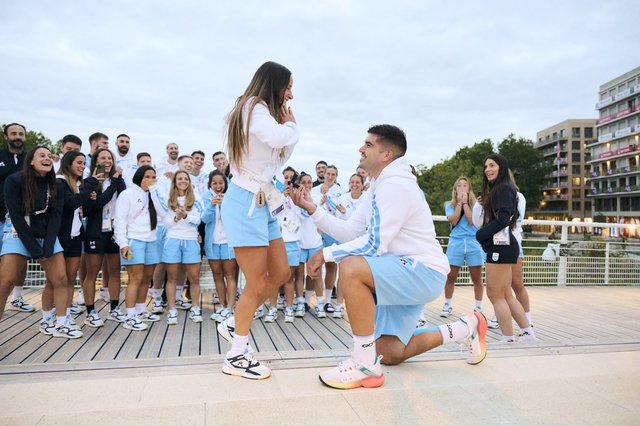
[[575, 193], [622, 182], [588, 132], [633, 180], [576, 182], [587, 205], [575, 157], [562, 133], [575, 145], [575, 132], [575, 205], [575, 170]]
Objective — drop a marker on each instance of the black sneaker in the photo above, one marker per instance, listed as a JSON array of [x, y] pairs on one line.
[[329, 308]]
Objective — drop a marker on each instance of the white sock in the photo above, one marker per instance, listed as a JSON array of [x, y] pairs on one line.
[[179, 289], [307, 297], [453, 332], [239, 344], [338, 306], [364, 349], [528, 315], [479, 304], [131, 312], [320, 301], [299, 299], [46, 315], [327, 295], [68, 311], [60, 321], [17, 292], [140, 308], [507, 339], [447, 302]]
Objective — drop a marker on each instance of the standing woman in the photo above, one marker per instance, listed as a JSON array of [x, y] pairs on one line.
[[76, 195], [463, 246], [182, 214], [499, 199], [99, 243], [261, 134], [34, 200]]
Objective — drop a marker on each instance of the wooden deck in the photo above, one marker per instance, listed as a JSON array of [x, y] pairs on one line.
[[576, 318]]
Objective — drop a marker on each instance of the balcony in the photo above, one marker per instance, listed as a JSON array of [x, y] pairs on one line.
[[554, 150], [627, 112], [620, 171], [617, 190], [555, 186], [563, 172], [615, 153], [556, 197]]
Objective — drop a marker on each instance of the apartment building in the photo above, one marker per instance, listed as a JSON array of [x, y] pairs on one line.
[[564, 193], [614, 179]]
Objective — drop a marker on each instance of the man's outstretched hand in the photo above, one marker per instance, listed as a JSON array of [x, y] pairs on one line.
[[302, 198], [314, 264]]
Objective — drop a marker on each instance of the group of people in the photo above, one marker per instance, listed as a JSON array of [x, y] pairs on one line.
[[281, 228]]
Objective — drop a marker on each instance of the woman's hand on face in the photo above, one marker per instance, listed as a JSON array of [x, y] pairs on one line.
[[286, 114]]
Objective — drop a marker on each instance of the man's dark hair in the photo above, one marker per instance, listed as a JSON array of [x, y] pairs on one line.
[[73, 139], [98, 135], [391, 136], [218, 153], [122, 134], [142, 154], [197, 152], [6, 128], [321, 162]]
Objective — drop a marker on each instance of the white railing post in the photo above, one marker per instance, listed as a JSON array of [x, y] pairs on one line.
[[607, 251], [562, 259]]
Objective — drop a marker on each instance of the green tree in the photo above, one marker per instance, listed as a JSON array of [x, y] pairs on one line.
[[32, 139]]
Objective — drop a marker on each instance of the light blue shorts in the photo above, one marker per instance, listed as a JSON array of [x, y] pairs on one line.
[[521, 252], [161, 235], [328, 241], [180, 251], [244, 230], [461, 249], [12, 244], [403, 286], [305, 254], [2, 230], [144, 253], [293, 253], [219, 252]]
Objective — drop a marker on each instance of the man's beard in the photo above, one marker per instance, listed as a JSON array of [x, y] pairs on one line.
[[16, 143], [123, 150], [173, 155]]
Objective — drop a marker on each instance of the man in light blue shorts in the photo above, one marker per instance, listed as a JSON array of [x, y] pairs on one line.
[[391, 265]]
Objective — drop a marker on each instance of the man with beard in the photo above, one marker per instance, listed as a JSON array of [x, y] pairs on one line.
[[321, 166], [96, 140], [11, 159], [169, 164], [125, 158]]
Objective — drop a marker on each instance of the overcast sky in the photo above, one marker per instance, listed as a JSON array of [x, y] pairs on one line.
[[449, 73]]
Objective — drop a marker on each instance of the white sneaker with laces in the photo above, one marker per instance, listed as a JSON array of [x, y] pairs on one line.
[[259, 312], [493, 324], [216, 315], [422, 322], [272, 315], [329, 308], [300, 310], [446, 311], [288, 314], [72, 323], [222, 314], [338, 312], [280, 304], [47, 326], [182, 304], [157, 307], [77, 309], [66, 332], [320, 313], [147, 316], [135, 324], [20, 305], [245, 365], [477, 325], [93, 320], [351, 374], [172, 317], [116, 315], [195, 315], [528, 337], [104, 294]]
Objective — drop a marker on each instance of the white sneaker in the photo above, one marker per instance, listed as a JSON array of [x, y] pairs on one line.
[[338, 312], [47, 326], [77, 309], [245, 365], [320, 313], [226, 331], [216, 315], [259, 312], [66, 332], [80, 298], [351, 374], [222, 314], [288, 314], [172, 317], [195, 315], [135, 324], [20, 305], [93, 320], [147, 316], [477, 324], [422, 321], [116, 315], [300, 310], [446, 311], [528, 337], [157, 307], [329, 308], [493, 323], [280, 304], [104, 294], [183, 304], [477, 309], [72, 323], [215, 299], [272, 315]]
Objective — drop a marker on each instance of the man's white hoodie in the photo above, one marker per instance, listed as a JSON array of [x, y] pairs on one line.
[[394, 220]]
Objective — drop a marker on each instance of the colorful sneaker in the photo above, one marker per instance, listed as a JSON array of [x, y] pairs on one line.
[[20, 305], [493, 324], [245, 365], [172, 317], [66, 332], [288, 314], [80, 298], [158, 307], [104, 294], [183, 304], [259, 312], [116, 315], [195, 314], [135, 324], [147, 316], [446, 311], [320, 313], [477, 324], [329, 308], [300, 310], [272, 315], [47, 326], [93, 320], [77, 309], [351, 374], [339, 312]]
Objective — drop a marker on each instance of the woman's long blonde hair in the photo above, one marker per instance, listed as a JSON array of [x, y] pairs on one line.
[[189, 196], [267, 87], [454, 193]]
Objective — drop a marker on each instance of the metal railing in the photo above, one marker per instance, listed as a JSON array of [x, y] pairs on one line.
[[588, 256]]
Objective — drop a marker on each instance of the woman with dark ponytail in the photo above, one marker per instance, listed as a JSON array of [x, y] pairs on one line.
[[135, 233], [500, 203]]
